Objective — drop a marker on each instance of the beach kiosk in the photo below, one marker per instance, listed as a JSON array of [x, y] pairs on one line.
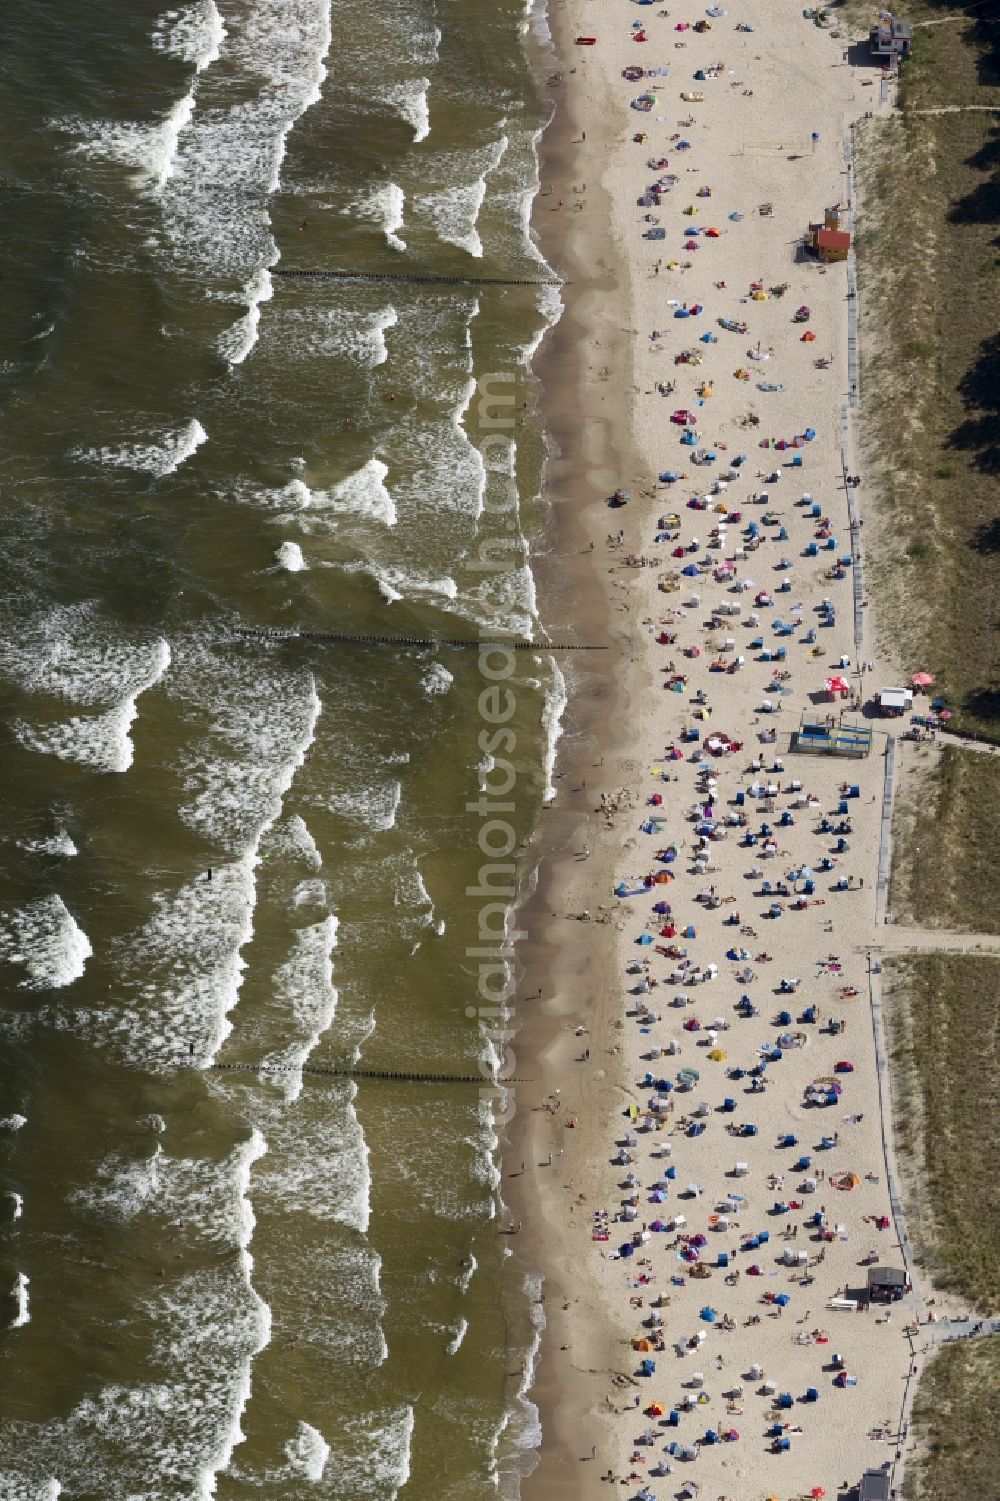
[[894, 702], [886, 1284], [874, 1486]]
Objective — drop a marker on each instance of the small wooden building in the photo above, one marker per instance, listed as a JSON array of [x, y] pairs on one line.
[[886, 1284], [829, 241]]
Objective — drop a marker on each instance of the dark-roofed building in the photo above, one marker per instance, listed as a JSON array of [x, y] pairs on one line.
[[874, 1486], [892, 37], [886, 1284]]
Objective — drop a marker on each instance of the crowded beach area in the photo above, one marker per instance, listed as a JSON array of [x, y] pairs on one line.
[[727, 1296]]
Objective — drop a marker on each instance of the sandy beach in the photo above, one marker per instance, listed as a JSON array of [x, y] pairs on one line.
[[711, 896]]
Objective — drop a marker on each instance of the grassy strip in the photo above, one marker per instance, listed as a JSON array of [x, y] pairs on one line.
[[929, 276], [954, 1425], [945, 1048], [944, 842]]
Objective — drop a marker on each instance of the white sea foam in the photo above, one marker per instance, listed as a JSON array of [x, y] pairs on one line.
[[290, 838], [46, 941], [374, 806], [120, 1190], [475, 463], [411, 101], [289, 556], [309, 894], [436, 680], [17, 1202], [319, 1164], [376, 1457], [303, 985], [13, 1122], [255, 1148], [384, 206], [237, 342], [182, 970], [195, 34], [556, 698], [148, 149], [468, 1273], [58, 844], [454, 210], [395, 583], [455, 1343], [308, 1453], [384, 320], [101, 740], [19, 1293], [164, 159], [525, 1419], [208, 1326], [158, 457], [362, 493], [295, 334], [550, 305]]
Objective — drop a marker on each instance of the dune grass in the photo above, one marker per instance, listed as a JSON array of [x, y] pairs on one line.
[[929, 279], [953, 1425], [944, 841], [944, 1042]]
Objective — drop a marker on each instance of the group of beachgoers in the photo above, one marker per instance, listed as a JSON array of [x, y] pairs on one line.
[[744, 1193]]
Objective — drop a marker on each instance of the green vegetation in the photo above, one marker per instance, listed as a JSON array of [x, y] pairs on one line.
[[945, 1050], [953, 1423], [929, 276], [944, 850]]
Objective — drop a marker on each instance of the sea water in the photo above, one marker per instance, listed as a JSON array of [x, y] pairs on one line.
[[238, 1259]]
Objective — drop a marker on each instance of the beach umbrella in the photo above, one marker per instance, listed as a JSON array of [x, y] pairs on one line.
[[945, 713], [809, 434], [713, 233], [808, 337], [922, 679]]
